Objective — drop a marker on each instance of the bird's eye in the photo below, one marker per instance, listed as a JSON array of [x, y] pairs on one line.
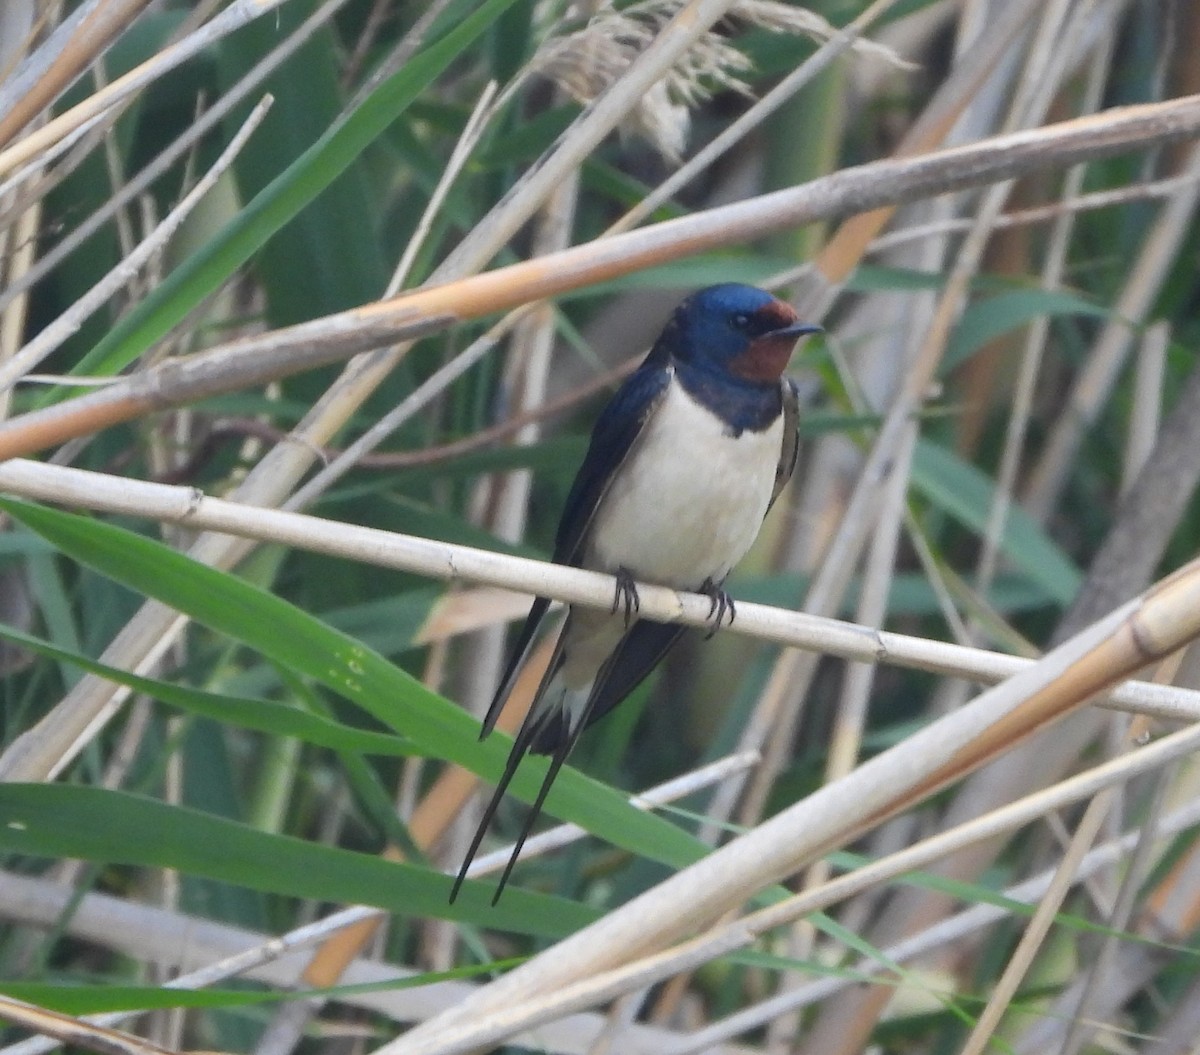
[[741, 321]]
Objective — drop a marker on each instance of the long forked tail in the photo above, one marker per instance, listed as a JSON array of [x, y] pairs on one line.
[[552, 726], [520, 748], [516, 661], [531, 726], [561, 750]]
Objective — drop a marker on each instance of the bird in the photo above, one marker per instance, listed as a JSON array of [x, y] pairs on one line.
[[683, 464]]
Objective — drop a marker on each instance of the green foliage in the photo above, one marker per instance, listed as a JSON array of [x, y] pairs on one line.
[[304, 645], [262, 757], [278, 202], [55, 820], [264, 716], [966, 494]]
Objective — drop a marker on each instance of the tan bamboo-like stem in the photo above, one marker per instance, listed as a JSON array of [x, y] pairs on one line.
[[450, 561], [792, 674], [1084, 1008], [342, 931], [60, 735], [1035, 933], [842, 1029], [143, 931], [743, 931], [66, 1029], [233, 17], [1153, 625], [52, 337], [75, 46], [281, 353]]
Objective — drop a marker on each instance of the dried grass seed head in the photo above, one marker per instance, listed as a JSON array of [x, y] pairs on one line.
[[586, 61]]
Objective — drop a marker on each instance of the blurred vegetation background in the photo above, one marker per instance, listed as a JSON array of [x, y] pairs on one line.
[[247, 784]]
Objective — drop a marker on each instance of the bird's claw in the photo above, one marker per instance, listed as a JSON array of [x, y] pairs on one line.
[[626, 596], [720, 604]]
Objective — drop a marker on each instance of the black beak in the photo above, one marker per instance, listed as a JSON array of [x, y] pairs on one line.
[[797, 329]]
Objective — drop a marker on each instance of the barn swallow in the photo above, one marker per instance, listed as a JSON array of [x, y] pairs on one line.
[[683, 465]]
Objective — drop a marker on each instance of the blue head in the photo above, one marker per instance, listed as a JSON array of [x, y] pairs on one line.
[[734, 329]]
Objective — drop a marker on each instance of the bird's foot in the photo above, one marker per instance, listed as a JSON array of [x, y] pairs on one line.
[[720, 604], [626, 596]]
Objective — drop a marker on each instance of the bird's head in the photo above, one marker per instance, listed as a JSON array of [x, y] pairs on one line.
[[737, 329]]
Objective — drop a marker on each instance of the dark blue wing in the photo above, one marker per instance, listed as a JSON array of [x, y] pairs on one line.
[[619, 425], [789, 453], [616, 430]]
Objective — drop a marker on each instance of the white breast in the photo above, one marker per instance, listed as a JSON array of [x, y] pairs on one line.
[[689, 500]]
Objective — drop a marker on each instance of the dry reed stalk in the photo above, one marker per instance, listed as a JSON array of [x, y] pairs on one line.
[[965, 923], [221, 108], [236, 15], [18, 246], [452, 562], [1094, 383], [850, 716], [1029, 363], [85, 710], [786, 89], [256, 360], [146, 932], [743, 931], [1099, 975], [792, 676], [346, 930], [432, 816], [1146, 411], [66, 55], [1034, 934], [454, 786], [838, 259], [843, 1029], [66, 1029], [793, 673], [1145, 521], [503, 501], [1157, 623], [52, 337]]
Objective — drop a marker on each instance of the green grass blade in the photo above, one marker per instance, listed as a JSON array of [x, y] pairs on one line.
[[966, 494], [263, 716], [204, 272], [116, 827], [992, 317], [303, 644], [82, 999]]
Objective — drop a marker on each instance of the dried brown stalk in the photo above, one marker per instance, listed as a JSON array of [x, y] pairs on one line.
[[258, 359]]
